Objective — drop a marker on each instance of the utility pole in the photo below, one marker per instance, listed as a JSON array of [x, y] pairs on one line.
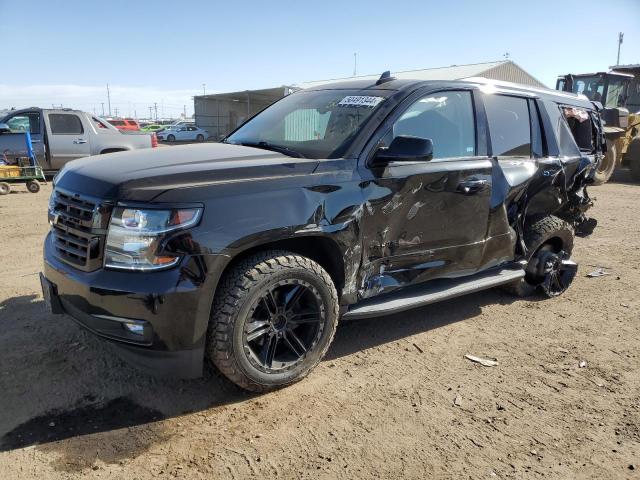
[[184, 110], [102, 103], [150, 112], [135, 113], [620, 38], [155, 107], [204, 90], [116, 111], [109, 99], [355, 64]]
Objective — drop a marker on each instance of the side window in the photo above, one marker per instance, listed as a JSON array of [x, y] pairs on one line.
[[566, 144], [579, 122], [65, 124], [509, 125], [99, 123], [446, 118], [22, 122]]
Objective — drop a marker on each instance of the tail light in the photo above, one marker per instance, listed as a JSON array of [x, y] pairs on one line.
[[154, 140]]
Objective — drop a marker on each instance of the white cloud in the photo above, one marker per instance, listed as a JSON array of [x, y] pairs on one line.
[[128, 100]]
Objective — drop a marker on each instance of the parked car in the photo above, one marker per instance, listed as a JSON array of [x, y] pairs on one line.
[[152, 128], [182, 133], [125, 124], [59, 136], [347, 201]]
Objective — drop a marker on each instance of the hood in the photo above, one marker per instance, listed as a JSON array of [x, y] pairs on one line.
[[141, 175]]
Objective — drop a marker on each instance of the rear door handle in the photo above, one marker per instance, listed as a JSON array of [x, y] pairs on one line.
[[79, 141], [473, 185], [35, 141]]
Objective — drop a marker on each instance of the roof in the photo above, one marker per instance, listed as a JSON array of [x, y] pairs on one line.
[[496, 70], [486, 84]]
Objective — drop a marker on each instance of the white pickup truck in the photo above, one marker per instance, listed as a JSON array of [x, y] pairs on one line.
[[62, 135]]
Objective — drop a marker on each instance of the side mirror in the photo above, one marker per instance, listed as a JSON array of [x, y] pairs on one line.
[[4, 128], [405, 148]]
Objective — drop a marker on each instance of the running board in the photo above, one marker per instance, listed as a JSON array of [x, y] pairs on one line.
[[432, 292]]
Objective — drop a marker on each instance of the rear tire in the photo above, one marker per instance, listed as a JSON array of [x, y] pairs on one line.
[[633, 156], [273, 318], [545, 237], [5, 188], [33, 186], [607, 166]]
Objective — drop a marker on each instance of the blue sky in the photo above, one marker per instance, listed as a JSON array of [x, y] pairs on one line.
[[163, 51]]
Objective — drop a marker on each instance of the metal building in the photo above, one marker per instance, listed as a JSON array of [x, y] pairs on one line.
[[221, 113]]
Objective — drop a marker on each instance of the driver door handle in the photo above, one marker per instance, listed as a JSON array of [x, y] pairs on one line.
[[472, 185], [79, 141]]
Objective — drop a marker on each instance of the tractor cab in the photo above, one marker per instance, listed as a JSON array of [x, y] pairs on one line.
[[608, 88]]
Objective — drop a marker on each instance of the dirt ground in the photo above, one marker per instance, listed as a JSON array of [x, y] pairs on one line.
[[395, 398]]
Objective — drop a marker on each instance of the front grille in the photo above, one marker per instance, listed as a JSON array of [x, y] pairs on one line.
[[79, 226]]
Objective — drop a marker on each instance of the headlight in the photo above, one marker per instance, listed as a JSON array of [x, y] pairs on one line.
[[135, 235]]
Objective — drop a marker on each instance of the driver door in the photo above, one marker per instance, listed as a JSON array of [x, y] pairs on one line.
[[428, 219]]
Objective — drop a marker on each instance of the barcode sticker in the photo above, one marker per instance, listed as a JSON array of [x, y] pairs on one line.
[[360, 101]]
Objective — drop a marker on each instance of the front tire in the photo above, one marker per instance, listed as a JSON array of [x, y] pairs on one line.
[[549, 270], [171, 138], [200, 138], [273, 318], [5, 188]]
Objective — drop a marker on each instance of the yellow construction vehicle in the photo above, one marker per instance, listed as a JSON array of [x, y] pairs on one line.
[[619, 93]]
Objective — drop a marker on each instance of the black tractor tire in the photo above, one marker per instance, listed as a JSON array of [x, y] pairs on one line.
[[607, 165], [200, 138], [171, 138], [5, 188], [236, 302], [633, 157], [544, 233], [33, 186]]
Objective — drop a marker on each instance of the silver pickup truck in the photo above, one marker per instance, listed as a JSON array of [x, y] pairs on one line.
[[62, 135]]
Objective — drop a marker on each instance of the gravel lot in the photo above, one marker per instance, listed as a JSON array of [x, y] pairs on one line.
[[394, 399]]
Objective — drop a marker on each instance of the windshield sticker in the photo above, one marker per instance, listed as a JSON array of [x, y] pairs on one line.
[[360, 101]]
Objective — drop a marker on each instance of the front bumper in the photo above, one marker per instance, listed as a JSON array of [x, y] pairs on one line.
[[171, 309]]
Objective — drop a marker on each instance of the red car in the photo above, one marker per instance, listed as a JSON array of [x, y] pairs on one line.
[[125, 124]]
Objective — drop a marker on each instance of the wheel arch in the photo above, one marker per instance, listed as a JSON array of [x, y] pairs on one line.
[[321, 249]]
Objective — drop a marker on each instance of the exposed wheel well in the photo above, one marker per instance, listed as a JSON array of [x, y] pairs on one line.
[[112, 150], [319, 249]]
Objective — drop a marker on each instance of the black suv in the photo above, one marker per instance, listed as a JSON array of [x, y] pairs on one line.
[[345, 201]]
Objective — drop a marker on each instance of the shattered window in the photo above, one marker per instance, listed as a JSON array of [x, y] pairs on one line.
[[579, 122], [566, 143]]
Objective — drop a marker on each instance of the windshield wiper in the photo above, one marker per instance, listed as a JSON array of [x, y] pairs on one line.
[[274, 148]]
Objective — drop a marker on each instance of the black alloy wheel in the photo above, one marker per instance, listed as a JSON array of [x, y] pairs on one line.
[[284, 324]]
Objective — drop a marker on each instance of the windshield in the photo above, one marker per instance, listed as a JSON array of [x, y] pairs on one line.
[[592, 87], [314, 124]]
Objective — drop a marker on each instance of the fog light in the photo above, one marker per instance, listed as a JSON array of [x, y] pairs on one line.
[[135, 328]]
